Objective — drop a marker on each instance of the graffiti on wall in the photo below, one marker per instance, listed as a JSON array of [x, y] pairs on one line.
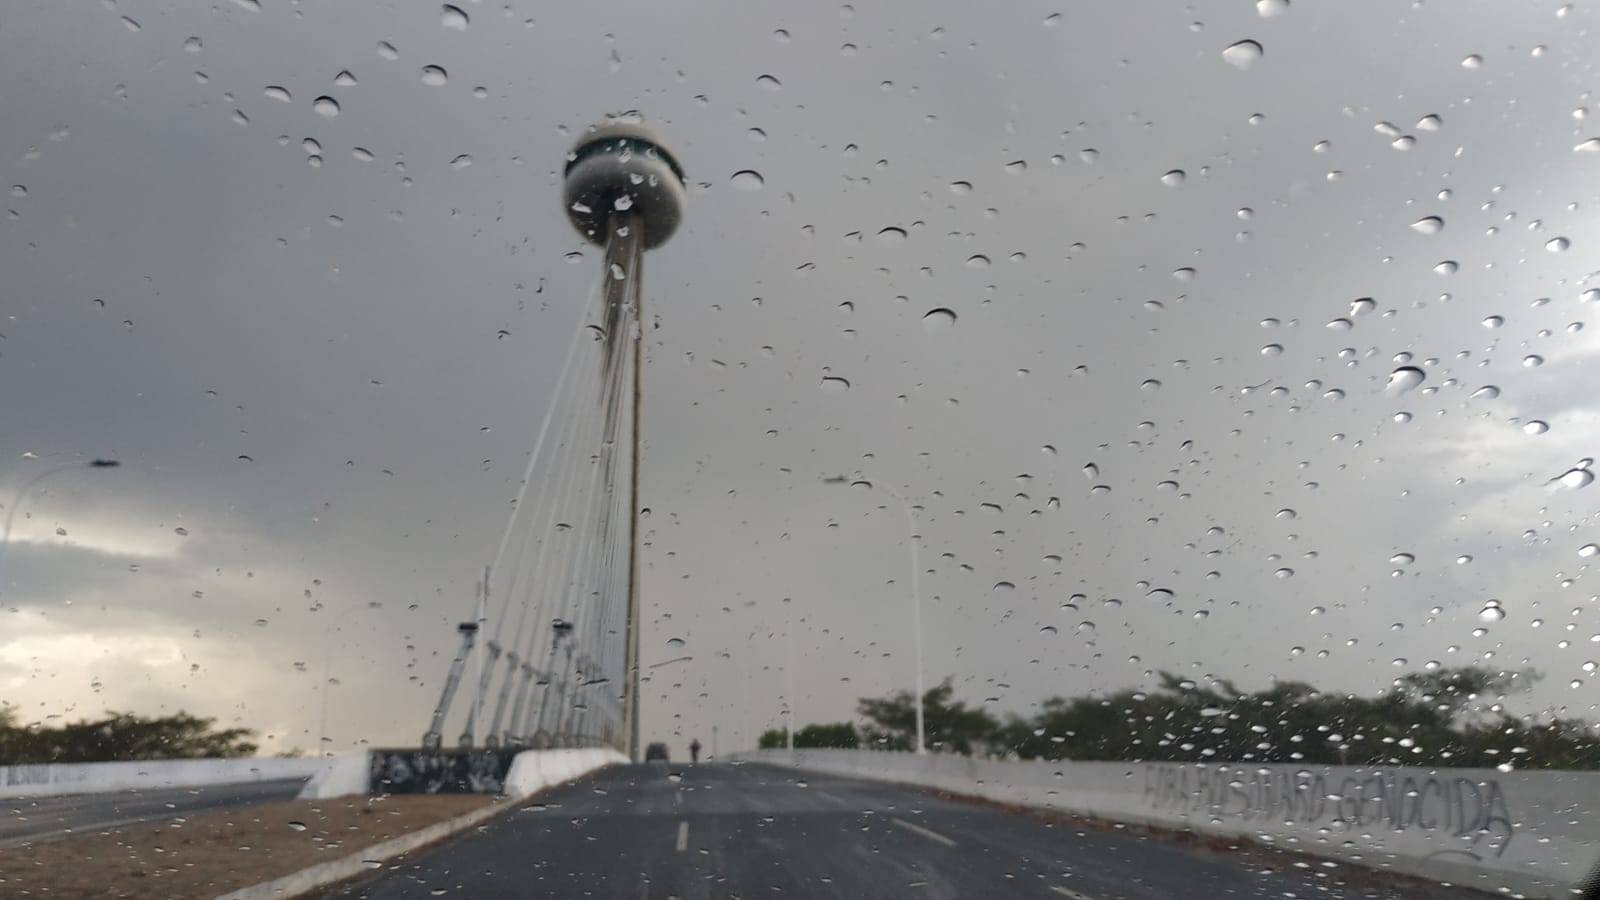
[[1472, 809], [439, 771]]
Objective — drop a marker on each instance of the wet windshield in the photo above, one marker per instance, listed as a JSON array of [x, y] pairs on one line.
[[832, 450]]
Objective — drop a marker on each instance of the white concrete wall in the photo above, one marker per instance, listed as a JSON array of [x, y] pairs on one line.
[[1534, 833], [535, 770], [90, 778]]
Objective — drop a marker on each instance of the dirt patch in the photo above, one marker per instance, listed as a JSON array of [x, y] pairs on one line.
[[211, 853]]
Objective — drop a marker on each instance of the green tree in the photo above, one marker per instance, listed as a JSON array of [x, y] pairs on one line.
[[120, 736], [774, 739], [951, 726]]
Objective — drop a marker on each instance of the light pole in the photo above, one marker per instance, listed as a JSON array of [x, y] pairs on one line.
[[30, 484], [916, 592]]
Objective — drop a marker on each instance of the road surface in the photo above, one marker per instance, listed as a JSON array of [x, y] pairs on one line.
[[718, 831], [27, 819]]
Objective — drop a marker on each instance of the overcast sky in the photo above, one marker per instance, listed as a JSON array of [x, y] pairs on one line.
[[329, 376]]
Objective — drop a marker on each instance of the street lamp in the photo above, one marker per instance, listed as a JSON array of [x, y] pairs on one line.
[[30, 484], [916, 592]]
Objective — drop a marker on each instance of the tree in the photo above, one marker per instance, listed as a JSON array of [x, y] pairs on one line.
[[836, 736], [120, 736], [950, 726]]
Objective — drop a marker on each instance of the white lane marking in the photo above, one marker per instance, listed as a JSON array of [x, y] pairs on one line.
[[1069, 892], [930, 835], [683, 836]]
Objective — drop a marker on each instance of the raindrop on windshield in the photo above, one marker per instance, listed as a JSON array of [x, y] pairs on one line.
[[1174, 178], [1535, 427], [325, 106], [453, 17], [1242, 55], [1404, 379], [767, 82], [434, 76], [280, 94], [832, 384], [1429, 225], [747, 180], [937, 320]]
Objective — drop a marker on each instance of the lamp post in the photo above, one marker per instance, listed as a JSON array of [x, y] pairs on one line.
[[30, 484], [916, 592]]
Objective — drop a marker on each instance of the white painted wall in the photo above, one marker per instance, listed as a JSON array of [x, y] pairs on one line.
[[91, 778], [535, 770], [1534, 833]]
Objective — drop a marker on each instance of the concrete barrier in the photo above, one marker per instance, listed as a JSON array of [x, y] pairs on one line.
[[1531, 833], [91, 778], [535, 770]]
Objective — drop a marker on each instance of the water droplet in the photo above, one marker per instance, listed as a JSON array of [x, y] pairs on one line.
[[1402, 559], [832, 384], [747, 180], [1576, 478], [1339, 325], [297, 826], [345, 79], [1283, 573], [1266, 9], [1088, 155], [325, 106], [767, 82], [892, 235], [361, 154], [1286, 514], [280, 94], [1448, 267], [387, 50], [1401, 418], [1091, 471], [1535, 427], [1472, 62], [1532, 361], [1048, 629], [1272, 350], [1174, 178], [1242, 55], [1557, 244], [1429, 225], [1405, 378], [1491, 613], [453, 17], [675, 642], [1003, 587], [1592, 145], [978, 261], [434, 76], [937, 320], [1588, 550], [1016, 167], [961, 188], [461, 162], [1150, 385]]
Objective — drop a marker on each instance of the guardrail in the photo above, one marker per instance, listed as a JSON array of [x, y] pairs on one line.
[[1532, 833], [91, 778]]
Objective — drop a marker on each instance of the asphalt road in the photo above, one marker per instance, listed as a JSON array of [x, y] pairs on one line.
[[24, 819], [642, 832]]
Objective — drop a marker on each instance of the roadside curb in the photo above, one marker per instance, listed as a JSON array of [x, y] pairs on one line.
[[321, 875]]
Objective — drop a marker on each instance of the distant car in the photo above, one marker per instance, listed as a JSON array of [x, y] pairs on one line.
[[657, 751]]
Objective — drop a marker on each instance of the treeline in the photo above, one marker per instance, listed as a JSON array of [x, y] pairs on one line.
[[1446, 717], [119, 736]]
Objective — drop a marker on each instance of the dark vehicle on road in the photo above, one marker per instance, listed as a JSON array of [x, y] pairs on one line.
[[656, 751]]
